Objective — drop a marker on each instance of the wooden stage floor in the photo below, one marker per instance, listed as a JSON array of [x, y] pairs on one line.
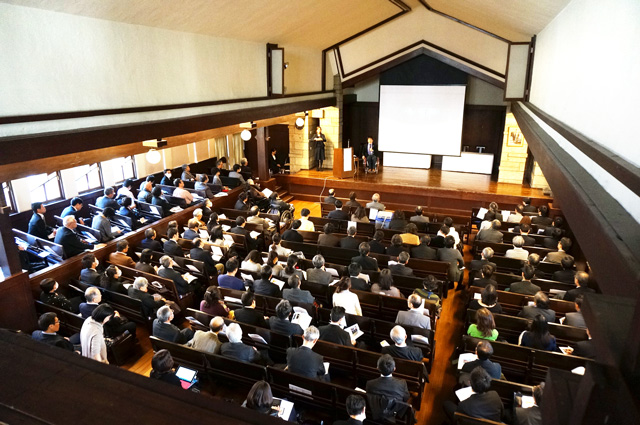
[[412, 177]]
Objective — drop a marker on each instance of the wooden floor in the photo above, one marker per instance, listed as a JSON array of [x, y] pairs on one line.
[[430, 179]]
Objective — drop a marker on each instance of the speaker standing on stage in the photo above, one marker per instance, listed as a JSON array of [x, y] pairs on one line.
[[320, 140], [370, 155]]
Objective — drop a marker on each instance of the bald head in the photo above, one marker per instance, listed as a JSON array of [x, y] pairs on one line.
[[216, 324]]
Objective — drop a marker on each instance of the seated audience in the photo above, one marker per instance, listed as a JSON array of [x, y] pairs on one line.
[[294, 293], [534, 261], [125, 191], [417, 315], [376, 244], [448, 221], [538, 336], [360, 216], [120, 257], [281, 322], [264, 286], [487, 277], [236, 349], [385, 285], [430, 286], [334, 332], [240, 229], [252, 262], [144, 264], [338, 213], [567, 274], [400, 349], [110, 280], [108, 200], [542, 220], [484, 351], [49, 325], [524, 232], [164, 329], [242, 203], [166, 178], [485, 258], [386, 385], [160, 202], [488, 299], [292, 234], [171, 245], [74, 210], [581, 280], [213, 303], [51, 297], [555, 235], [396, 246], [533, 414], [359, 281], [517, 252], [452, 255], [424, 251], [67, 237], [192, 230], [291, 268], [330, 199], [438, 241], [516, 215], [117, 325], [201, 184], [352, 200], [527, 207], [198, 253], [556, 257], [88, 274], [186, 173], [356, 409], [343, 297], [150, 303], [575, 318], [318, 274], [162, 368], [375, 203], [419, 218], [128, 210], [37, 224], [585, 348], [305, 224], [398, 221], [540, 306], [491, 234], [303, 361], [235, 174], [181, 192], [182, 285], [208, 342], [229, 280], [482, 404], [248, 313], [144, 195], [525, 286], [410, 235], [366, 262], [279, 249], [484, 326], [92, 334], [350, 241], [260, 399], [328, 238], [212, 222]]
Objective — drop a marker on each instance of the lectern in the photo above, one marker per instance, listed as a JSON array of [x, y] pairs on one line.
[[343, 163]]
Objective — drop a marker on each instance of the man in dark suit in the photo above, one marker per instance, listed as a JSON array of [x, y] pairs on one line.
[[581, 280], [236, 349], [556, 257], [128, 210], [369, 155], [424, 251], [171, 246], [357, 282], [333, 332], [166, 178], [318, 274], [192, 230], [243, 202], [292, 234], [248, 313], [150, 241], [328, 238], [331, 199], [438, 241], [49, 325], [74, 210], [575, 318], [281, 322], [239, 229], [487, 279], [585, 348], [484, 351], [527, 207], [533, 414], [485, 258], [88, 274], [524, 232], [366, 262], [401, 268], [356, 407], [166, 270], [376, 246], [567, 274], [541, 306], [350, 242], [37, 226], [387, 385], [338, 213], [295, 294], [303, 361], [491, 234], [483, 404], [67, 237], [150, 303], [264, 286], [400, 349], [164, 329], [525, 286], [108, 200], [116, 324], [199, 254]]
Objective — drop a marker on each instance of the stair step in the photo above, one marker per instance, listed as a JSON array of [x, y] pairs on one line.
[[287, 198], [278, 188]]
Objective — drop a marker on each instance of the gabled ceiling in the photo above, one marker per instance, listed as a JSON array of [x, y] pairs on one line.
[[314, 24]]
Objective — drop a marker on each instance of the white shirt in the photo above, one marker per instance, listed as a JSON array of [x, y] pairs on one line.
[[306, 225], [349, 301], [126, 192], [184, 194], [453, 232], [519, 253]]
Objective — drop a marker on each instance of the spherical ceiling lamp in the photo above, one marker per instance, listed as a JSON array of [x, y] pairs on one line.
[[299, 123], [153, 156], [245, 135]]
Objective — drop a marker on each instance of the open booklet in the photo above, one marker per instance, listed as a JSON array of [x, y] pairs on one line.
[[257, 338], [189, 277], [278, 282], [354, 331], [284, 407], [192, 268], [301, 317], [175, 209], [466, 358], [464, 393]]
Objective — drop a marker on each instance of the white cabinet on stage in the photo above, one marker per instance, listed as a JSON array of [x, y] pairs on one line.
[[469, 162]]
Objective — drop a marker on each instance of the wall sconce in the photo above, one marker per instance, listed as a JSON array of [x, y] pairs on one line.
[[286, 65], [245, 135], [299, 123], [153, 156]]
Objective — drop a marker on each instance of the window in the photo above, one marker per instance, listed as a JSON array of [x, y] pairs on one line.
[[88, 177], [45, 187], [8, 195], [122, 168]]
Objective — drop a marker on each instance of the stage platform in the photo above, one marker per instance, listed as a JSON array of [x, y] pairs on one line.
[[436, 190]]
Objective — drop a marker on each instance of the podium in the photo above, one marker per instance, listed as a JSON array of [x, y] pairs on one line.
[[343, 163]]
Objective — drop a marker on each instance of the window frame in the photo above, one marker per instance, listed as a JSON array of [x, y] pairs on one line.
[[86, 176], [9, 200], [44, 188], [133, 170]]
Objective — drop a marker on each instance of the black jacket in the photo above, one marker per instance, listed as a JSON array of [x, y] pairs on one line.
[[367, 263], [149, 304], [303, 361], [181, 285], [292, 236], [408, 352], [151, 244], [71, 243], [104, 202], [171, 247], [265, 287], [164, 205], [169, 332], [401, 270], [338, 215], [493, 369], [250, 316], [38, 227], [376, 247], [349, 243], [389, 386], [52, 339], [423, 252], [204, 256], [483, 406], [240, 351], [335, 334], [284, 326]]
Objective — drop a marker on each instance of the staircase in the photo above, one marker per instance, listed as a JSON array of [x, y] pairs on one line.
[[284, 194]]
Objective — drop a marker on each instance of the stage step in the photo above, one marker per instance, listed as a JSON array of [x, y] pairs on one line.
[[287, 198]]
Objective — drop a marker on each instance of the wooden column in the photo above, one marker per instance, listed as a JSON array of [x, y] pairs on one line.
[[9, 259], [263, 160]]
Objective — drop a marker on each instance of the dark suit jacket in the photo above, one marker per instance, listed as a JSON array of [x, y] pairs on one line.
[[394, 251], [530, 416], [265, 287], [292, 236], [524, 287], [181, 285], [389, 386], [168, 332], [437, 242], [484, 406], [573, 294], [585, 349], [144, 196], [365, 147], [56, 300], [530, 312], [104, 202], [171, 247], [166, 181], [239, 205], [396, 224], [71, 243], [164, 205], [52, 339], [149, 304], [145, 267], [71, 211], [423, 252], [401, 270], [566, 276], [240, 351], [367, 263], [335, 334], [319, 276], [330, 200], [528, 240], [151, 244], [250, 316], [89, 276], [408, 352], [376, 247], [349, 421], [202, 255], [190, 234], [575, 319], [298, 295], [87, 309], [359, 284], [37, 227], [493, 369], [303, 361], [338, 215], [484, 282], [247, 235], [349, 243], [328, 240], [490, 235], [284, 326]]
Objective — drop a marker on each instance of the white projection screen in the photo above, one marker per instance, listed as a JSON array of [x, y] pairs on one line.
[[421, 119]]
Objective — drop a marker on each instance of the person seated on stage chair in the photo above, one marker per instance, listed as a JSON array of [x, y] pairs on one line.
[[386, 384], [162, 368], [484, 351], [525, 286], [419, 217], [424, 251], [375, 203], [181, 192], [331, 199], [541, 306], [108, 200], [352, 201], [356, 409], [491, 234], [328, 238], [385, 285], [144, 263], [294, 293], [67, 237], [581, 281], [159, 200], [305, 224], [318, 274], [401, 268], [369, 155], [248, 313], [207, 341], [350, 241], [410, 235], [360, 216], [334, 332], [51, 297], [49, 325], [303, 361], [517, 252], [556, 257], [400, 349], [488, 299], [110, 280], [274, 163], [166, 178], [364, 260], [281, 322], [164, 329], [376, 245], [417, 315], [186, 173], [89, 274], [292, 235], [236, 349], [398, 222], [74, 209], [338, 213]]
